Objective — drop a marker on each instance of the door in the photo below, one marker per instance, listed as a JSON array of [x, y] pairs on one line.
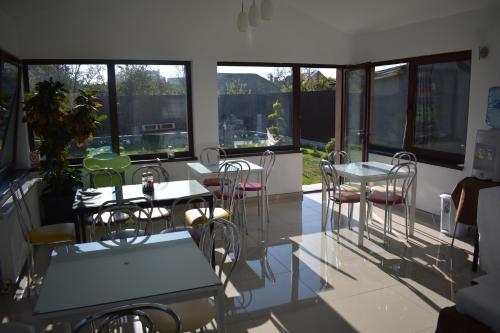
[[355, 112]]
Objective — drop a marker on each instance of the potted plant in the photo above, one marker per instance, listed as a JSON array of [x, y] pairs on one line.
[[275, 132], [56, 124]]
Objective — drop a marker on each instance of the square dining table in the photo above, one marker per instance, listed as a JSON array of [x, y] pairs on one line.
[[86, 278], [202, 171], [164, 194], [364, 173]]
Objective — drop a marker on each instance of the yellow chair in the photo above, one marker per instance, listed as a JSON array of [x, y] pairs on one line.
[[63, 233]]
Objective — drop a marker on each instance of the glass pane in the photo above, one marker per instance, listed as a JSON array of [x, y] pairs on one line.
[[75, 77], [152, 108], [355, 104], [8, 88], [255, 106], [317, 118], [442, 106], [389, 106]]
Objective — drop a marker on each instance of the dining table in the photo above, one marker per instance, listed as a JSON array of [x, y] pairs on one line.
[[84, 279], [201, 171], [366, 173], [88, 201]]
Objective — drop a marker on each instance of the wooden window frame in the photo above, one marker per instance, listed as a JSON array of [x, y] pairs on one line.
[[433, 157], [113, 107]]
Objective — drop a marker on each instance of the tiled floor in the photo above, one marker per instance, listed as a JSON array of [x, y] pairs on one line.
[[295, 277]]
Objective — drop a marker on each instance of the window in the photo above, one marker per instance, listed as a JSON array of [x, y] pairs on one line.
[[152, 108], [77, 77], [9, 97], [255, 106], [421, 105], [389, 104], [148, 104]]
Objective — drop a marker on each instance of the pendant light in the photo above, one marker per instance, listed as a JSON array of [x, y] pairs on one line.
[[242, 22], [254, 15], [266, 10]]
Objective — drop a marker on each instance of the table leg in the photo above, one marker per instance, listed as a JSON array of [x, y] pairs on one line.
[[324, 209], [362, 213], [81, 235], [219, 301], [413, 207]]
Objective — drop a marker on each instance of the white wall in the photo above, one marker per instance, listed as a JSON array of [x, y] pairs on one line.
[[203, 32], [455, 33]]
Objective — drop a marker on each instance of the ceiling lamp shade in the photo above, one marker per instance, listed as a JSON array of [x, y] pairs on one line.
[[266, 10], [242, 20], [254, 15]]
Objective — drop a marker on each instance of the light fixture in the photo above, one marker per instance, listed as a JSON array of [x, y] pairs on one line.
[[254, 15], [266, 10], [242, 19]]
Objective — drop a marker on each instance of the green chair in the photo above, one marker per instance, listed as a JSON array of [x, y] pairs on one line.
[[119, 164]]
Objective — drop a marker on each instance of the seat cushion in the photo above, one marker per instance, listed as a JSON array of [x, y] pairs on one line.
[[383, 188], [192, 314], [117, 218], [193, 216], [252, 186], [156, 213], [195, 233], [211, 182], [481, 302], [54, 233], [347, 197], [382, 198]]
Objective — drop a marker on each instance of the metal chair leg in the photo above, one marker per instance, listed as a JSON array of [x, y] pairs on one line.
[[406, 221], [338, 222], [245, 214], [267, 205], [385, 224], [350, 206], [454, 232], [389, 210], [368, 218], [333, 212]]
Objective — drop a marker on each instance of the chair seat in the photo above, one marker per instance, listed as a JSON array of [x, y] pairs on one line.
[[239, 194], [116, 218], [122, 234], [252, 186], [194, 217], [211, 182], [54, 233], [347, 197], [382, 198], [155, 212], [193, 315], [195, 233], [383, 188]]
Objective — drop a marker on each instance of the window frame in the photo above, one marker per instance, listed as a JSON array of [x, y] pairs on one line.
[[10, 58], [433, 157], [113, 106]]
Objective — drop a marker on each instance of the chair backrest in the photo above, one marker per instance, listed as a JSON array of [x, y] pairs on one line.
[[223, 236], [105, 177], [244, 172], [342, 155], [267, 162], [229, 177], [403, 157], [212, 155], [115, 319], [19, 200], [113, 214], [330, 177], [160, 174], [196, 202], [400, 178]]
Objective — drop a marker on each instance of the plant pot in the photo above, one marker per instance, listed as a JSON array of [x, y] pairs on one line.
[[57, 208]]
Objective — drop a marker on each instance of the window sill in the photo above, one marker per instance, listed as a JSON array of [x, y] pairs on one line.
[[424, 160], [239, 153]]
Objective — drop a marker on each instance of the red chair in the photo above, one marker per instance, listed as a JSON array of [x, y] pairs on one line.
[[266, 162], [212, 156], [398, 184]]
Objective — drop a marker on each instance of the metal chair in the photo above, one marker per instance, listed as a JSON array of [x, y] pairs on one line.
[[212, 156], [107, 217], [120, 318], [398, 158], [267, 162], [398, 183], [54, 234], [342, 156], [105, 177], [335, 194], [224, 237], [159, 174]]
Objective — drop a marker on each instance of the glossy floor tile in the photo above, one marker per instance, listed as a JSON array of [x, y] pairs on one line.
[[294, 275]]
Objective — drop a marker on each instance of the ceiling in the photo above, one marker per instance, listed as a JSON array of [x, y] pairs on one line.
[[359, 16]]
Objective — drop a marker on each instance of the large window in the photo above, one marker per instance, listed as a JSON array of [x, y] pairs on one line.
[[148, 104], [255, 106], [421, 105]]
